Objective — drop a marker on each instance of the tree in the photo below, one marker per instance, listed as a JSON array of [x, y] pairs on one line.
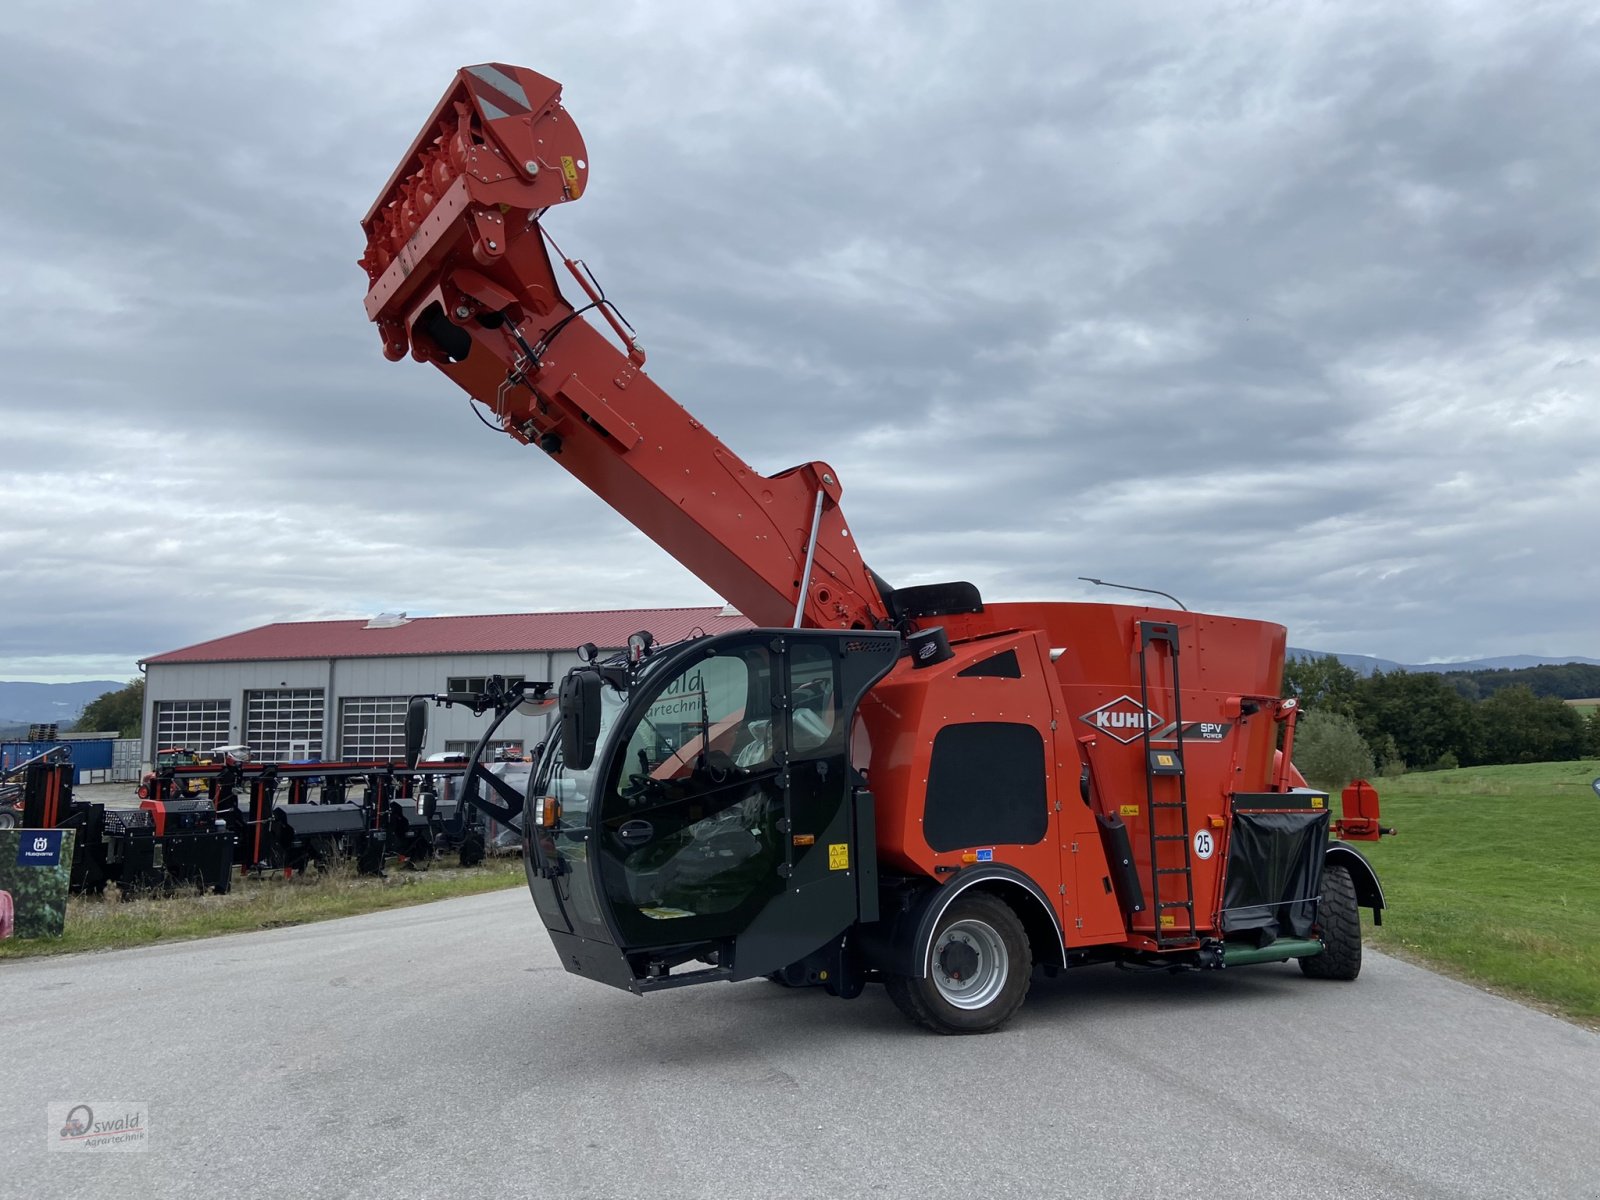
[[1423, 714], [1522, 727], [1330, 751], [120, 710], [1386, 756], [1324, 684]]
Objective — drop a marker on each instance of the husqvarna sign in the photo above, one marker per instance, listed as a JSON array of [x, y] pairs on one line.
[[39, 848], [35, 871]]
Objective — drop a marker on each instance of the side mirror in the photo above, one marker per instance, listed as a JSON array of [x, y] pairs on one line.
[[539, 700], [416, 728], [580, 718]]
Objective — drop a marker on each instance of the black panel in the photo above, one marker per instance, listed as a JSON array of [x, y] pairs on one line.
[[594, 960], [986, 786], [320, 820], [937, 600], [997, 666], [1279, 801], [818, 898], [1274, 874], [1119, 861]]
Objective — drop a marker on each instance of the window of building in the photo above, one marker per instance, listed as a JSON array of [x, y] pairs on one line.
[[191, 724], [372, 728], [284, 724]]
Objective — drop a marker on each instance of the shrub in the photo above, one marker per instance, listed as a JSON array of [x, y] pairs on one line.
[[1330, 751]]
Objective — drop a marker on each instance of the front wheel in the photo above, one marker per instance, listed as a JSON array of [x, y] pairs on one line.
[[1339, 918], [978, 971]]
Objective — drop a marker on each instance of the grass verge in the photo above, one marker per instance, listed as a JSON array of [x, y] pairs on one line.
[[108, 923], [1495, 877]]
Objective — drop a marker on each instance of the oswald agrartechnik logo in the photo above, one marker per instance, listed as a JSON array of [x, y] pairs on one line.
[[98, 1126]]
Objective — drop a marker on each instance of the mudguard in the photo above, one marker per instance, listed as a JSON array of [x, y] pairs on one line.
[[1369, 892], [901, 941]]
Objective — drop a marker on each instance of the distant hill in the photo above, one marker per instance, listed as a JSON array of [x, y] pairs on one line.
[[1365, 664], [60, 703]]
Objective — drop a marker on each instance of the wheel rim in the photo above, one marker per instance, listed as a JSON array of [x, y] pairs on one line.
[[970, 964]]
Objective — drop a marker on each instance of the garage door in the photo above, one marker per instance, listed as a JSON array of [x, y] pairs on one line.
[[284, 725], [191, 724], [372, 728]]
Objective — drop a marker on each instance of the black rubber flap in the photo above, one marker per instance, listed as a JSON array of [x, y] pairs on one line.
[[1274, 874]]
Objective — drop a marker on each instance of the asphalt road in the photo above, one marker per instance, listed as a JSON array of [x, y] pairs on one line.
[[441, 1051]]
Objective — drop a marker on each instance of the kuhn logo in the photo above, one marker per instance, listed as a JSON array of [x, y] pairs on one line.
[[1124, 719]]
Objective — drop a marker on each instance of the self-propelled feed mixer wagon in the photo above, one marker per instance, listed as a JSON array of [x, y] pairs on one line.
[[912, 785]]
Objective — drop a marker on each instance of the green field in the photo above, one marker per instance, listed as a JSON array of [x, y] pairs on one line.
[[108, 923], [1495, 877]]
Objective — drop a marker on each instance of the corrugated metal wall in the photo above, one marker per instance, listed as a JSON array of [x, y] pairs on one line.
[[364, 678], [125, 760], [91, 757]]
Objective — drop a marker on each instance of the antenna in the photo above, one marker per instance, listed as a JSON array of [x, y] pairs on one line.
[[1128, 587]]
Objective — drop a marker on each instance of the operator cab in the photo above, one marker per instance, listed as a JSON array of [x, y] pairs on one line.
[[699, 806]]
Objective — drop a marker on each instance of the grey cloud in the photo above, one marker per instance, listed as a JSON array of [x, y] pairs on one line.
[[1289, 310]]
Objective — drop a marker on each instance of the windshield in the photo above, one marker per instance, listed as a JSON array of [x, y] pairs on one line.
[[567, 845]]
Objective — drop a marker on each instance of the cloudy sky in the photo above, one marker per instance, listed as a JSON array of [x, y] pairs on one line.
[[1289, 309]]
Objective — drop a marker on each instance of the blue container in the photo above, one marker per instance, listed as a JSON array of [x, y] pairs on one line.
[[90, 755]]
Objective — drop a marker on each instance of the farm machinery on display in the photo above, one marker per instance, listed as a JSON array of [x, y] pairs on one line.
[[916, 786], [197, 822]]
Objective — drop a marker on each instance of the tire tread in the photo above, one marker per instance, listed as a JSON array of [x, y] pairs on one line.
[[1340, 919]]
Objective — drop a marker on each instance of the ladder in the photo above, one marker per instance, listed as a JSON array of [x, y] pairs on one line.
[[1171, 867]]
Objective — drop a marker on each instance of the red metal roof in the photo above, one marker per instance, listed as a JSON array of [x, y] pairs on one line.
[[507, 632]]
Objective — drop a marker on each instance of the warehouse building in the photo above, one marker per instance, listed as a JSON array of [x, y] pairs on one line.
[[326, 690]]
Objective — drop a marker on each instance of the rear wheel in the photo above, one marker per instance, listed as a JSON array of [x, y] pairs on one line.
[[1339, 918], [978, 971]]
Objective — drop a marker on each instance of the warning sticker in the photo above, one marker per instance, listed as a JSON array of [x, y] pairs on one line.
[[838, 856], [805, 839], [1130, 810], [570, 170]]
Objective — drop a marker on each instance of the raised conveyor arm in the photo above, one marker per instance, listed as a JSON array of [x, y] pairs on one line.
[[462, 276]]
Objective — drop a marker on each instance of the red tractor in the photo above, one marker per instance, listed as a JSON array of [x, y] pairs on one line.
[[164, 781], [914, 785]]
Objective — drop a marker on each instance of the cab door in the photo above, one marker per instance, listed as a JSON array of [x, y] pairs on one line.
[[726, 823]]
